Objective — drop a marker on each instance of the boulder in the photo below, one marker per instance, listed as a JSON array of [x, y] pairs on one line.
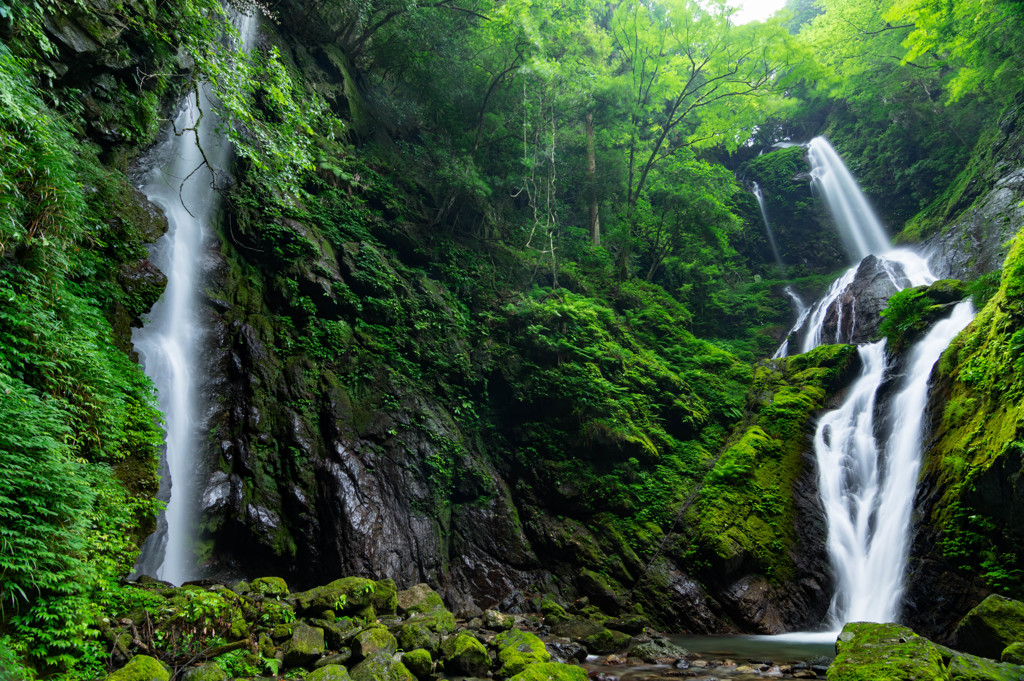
[[373, 641], [516, 650], [141, 668], [381, 667], [350, 595], [329, 672], [418, 598], [465, 655], [990, 627], [867, 651], [269, 586], [305, 646], [1013, 653], [606, 641], [651, 649], [205, 672], [419, 663]]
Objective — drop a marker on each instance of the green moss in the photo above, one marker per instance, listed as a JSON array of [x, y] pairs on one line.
[[419, 662], [606, 641], [517, 649], [991, 626], [553, 612], [374, 640], [330, 672], [385, 597], [141, 668], [269, 586], [885, 652], [464, 654]]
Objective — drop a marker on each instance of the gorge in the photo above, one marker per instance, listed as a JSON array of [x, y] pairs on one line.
[[478, 295]]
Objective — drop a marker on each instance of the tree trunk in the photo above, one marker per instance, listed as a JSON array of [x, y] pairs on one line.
[[595, 218]]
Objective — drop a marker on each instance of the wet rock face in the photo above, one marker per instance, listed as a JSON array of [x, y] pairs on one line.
[[856, 314], [978, 240]]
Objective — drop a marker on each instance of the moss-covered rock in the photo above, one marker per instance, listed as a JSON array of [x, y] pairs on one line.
[[419, 662], [867, 651], [305, 646], [419, 598], [652, 650], [1013, 653], [349, 595], [972, 668], [991, 626], [141, 668], [269, 586], [551, 671], [385, 597], [553, 612], [464, 654], [381, 667], [329, 672], [373, 641], [412, 635], [606, 641], [497, 621], [516, 649], [205, 672]]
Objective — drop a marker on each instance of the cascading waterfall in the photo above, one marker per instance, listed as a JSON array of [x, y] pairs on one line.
[[170, 343], [802, 311], [867, 488], [868, 491], [767, 225], [860, 230]]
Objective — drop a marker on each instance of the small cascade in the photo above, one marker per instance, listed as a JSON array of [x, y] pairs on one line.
[[867, 477], [171, 340], [868, 491], [859, 229], [767, 225], [802, 311]]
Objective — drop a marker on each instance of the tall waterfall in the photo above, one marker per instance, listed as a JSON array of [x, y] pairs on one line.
[[171, 341], [767, 225], [867, 478], [867, 489], [860, 230]]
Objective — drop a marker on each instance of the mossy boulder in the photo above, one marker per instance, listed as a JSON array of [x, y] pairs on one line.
[[652, 650], [419, 662], [551, 671], [381, 667], [497, 621], [867, 651], [553, 612], [385, 597], [464, 654], [205, 672], [606, 641], [305, 646], [372, 641], [269, 586], [517, 649], [329, 672], [141, 668], [412, 635], [1013, 653], [350, 595], [419, 598], [990, 627], [973, 668]]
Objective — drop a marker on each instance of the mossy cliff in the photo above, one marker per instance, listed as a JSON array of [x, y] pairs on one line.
[[971, 541]]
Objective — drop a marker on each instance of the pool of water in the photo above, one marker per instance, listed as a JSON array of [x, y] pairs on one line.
[[732, 658]]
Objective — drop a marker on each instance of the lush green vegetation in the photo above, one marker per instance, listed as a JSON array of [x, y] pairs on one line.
[[509, 230]]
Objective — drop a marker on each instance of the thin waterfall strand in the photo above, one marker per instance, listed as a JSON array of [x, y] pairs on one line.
[[171, 340], [767, 225]]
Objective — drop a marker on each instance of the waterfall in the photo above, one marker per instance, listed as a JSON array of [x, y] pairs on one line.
[[866, 478], [859, 229], [767, 225], [868, 491], [171, 340], [802, 311]]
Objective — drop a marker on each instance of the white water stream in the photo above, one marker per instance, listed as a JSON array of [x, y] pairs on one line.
[[171, 340], [767, 225], [867, 486]]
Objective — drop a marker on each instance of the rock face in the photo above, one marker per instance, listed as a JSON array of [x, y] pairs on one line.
[[991, 627]]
